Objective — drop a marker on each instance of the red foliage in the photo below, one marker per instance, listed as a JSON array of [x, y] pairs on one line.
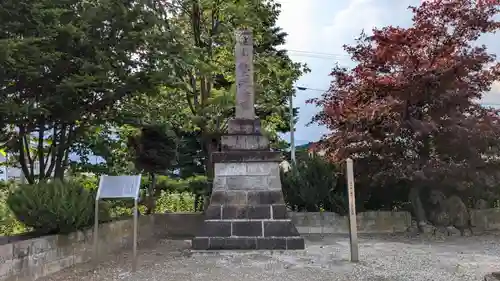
[[408, 110]]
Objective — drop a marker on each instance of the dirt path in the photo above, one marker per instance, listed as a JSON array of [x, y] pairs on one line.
[[382, 258]]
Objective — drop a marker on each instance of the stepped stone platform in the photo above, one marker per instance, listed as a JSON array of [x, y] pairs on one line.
[[247, 210]]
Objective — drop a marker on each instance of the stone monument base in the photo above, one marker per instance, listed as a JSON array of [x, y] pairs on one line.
[[247, 210], [247, 220]]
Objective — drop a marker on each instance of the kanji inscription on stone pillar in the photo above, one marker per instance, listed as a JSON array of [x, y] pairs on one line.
[[244, 75]]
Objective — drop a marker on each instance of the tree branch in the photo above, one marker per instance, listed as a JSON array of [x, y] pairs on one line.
[[41, 157], [22, 156]]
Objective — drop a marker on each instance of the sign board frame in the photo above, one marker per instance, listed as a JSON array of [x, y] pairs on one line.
[[353, 228], [129, 189]]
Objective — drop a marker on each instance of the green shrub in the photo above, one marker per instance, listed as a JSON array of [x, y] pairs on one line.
[[55, 206], [89, 182], [313, 185], [198, 186], [9, 225], [175, 202]]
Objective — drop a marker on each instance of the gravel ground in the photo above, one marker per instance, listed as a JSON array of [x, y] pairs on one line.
[[382, 258]]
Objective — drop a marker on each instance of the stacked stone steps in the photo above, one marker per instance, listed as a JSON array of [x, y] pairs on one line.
[[250, 226], [248, 243]]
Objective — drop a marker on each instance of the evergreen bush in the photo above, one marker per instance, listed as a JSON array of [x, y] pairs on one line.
[[313, 184], [55, 206]]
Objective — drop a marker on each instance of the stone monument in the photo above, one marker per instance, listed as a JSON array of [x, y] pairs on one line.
[[247, 210]]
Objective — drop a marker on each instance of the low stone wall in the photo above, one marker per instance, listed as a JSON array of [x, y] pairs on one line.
[[367, 222], [25, 259], [178, 225], [486, 219], [30, 259]]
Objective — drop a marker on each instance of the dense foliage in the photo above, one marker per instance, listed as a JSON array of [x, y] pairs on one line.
[[65, 65], [54, 207], [315, 184], [408, 113], [8, 222], [154, 151]]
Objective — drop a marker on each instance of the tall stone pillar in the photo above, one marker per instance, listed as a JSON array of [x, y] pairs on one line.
[[247, 210], [245, 94]]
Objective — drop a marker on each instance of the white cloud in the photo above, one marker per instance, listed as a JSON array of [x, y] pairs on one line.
[[323, 26], [349, 22], [296, 19], [492, 97]]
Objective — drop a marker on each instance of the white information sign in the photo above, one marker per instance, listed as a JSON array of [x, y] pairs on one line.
[[117, 187]]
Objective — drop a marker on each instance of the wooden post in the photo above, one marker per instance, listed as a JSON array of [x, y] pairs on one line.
[[353, 231]]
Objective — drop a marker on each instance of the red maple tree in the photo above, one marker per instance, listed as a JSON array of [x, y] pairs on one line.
[[408, 112]]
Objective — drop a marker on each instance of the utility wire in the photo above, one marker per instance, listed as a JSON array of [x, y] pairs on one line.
[[318, 53]]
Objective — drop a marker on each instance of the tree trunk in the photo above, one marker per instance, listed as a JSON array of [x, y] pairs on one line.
[[209, 165], [196, 202], [151, 200], [418, 207]]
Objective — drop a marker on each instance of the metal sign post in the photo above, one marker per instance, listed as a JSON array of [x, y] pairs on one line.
[[118, 187], [353, 231]]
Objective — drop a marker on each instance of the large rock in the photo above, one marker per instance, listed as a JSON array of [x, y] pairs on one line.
[[450, 212], [494, 276]]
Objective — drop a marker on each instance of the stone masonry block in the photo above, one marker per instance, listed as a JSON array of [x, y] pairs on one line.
[[259, 212], [213, 212], [279, 211], [218, 184], [58, 265], [236, 197], [244, 126], [200, 243], [6, 252], [218, 197], [21, 249], [295, 243], [246, 156], [262, 197], [231, 169], [246, 212], [233, 243], [247, 169], [271, 243], [248, 243], [280, 229], [6, 267], [216, 229], [234, 212], [246, 228], [248, 182], [244, 142], [229, 198]]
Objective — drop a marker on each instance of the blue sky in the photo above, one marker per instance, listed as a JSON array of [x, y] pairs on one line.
[[322, 27]]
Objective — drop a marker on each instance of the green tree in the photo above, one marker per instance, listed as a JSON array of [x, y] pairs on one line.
[[64, 65], [208, 90], [154, 153], [198, 107]]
